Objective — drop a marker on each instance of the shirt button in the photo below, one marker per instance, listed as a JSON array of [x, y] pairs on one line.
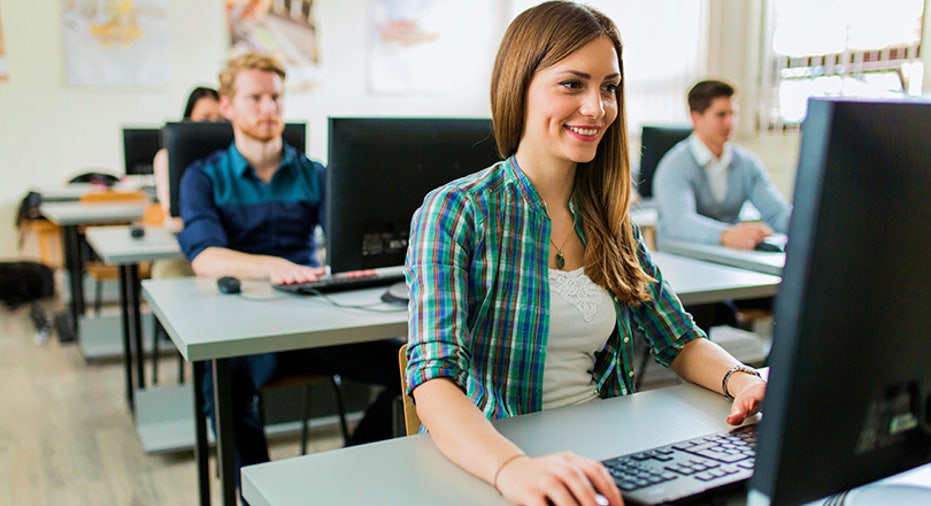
[[626, 340], [631, 374]]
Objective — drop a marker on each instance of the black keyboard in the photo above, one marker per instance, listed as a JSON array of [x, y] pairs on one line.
[[687, 469], [340, 283]]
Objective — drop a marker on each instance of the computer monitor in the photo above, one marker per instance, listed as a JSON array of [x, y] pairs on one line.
[[849, 395], [139, 148], [378, 173], [189, 141], [655, 141]]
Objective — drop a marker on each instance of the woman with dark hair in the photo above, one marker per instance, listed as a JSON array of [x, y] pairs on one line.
[[203, 104], [528, 279]]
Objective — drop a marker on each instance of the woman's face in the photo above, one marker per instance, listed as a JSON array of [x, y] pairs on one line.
[[206, 109], [571, 104]]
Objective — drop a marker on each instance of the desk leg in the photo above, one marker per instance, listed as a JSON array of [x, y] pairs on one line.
[[202, 447], [134, 303], [71, 241], [223, 403], [127, 343]]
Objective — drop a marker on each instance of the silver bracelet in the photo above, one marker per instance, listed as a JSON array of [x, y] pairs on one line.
[[737, 368]]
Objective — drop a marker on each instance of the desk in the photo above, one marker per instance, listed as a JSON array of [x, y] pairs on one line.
[[759, 261], [116, 246], [411, 471], [68, 216], [207, 325]]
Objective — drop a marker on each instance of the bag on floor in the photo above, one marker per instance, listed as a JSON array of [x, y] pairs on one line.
[[25, 282]]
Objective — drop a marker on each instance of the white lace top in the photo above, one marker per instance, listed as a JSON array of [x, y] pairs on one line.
[[582, 318]]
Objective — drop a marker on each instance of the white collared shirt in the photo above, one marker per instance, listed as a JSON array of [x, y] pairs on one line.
[[715, 168]]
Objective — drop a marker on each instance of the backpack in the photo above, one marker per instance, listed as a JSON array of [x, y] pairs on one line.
[[28, 211], [24, 282]]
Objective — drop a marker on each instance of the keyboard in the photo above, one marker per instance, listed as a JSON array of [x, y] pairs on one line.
[[687, 469], [340, 283]]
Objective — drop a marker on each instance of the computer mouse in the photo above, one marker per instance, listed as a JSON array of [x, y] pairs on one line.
[[136, 231], [229, 284], [768, 247]]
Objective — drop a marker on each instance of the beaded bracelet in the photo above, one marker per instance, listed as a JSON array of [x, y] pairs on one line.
[[732, 370]]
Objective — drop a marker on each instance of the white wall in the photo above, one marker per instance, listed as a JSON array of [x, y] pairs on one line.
[[49, 131]]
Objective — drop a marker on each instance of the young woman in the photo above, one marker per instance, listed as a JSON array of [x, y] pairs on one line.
[[527, 279]]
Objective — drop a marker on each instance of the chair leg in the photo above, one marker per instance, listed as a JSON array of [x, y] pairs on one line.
[[337, 383], [180, 369], [98, 295], [156, 335], [305, 417], [642, 367]]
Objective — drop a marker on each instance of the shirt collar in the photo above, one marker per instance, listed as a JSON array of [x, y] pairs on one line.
[[241, 166], [704, 156], [533, 198]]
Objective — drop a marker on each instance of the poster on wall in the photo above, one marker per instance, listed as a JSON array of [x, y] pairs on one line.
[[286, 29], [4, 71], [115, 42], [416, 46]]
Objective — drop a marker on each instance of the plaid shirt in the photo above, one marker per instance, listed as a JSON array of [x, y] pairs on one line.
[[479, 306]]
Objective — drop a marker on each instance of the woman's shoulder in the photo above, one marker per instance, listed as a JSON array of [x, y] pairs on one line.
[[476, 184]]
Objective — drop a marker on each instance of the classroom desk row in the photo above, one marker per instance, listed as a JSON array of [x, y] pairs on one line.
[[411, 471], [206, 325]]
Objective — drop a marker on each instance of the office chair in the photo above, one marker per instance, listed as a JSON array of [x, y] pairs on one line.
[[411, 419], [308, 381], [655, 141], [189, 141]]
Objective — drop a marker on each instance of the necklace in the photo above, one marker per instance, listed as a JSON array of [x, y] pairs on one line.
[[560, 260]]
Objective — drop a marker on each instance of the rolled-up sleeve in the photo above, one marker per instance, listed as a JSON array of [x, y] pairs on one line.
[[203, 227], [437, 272]]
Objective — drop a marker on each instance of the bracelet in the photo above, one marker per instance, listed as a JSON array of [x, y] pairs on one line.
[[507, 461], [737, 368]]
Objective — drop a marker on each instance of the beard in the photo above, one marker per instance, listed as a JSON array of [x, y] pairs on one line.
[[261, 131]]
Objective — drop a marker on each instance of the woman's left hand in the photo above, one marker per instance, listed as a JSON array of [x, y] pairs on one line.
[[747, 402]]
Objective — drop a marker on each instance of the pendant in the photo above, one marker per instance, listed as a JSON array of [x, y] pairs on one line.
[[560, 261]]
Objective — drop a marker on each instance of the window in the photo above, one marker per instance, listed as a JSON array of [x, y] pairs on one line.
[[858, 48]]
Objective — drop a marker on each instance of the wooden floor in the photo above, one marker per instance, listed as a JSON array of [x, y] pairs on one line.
[[67, 437]]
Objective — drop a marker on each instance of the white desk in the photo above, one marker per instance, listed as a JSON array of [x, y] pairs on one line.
[[759, 261], [68, 216], [411, 471], [116, 246], [207, 325]]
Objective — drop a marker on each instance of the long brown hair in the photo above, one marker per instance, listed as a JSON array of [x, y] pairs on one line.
[[539, 38]]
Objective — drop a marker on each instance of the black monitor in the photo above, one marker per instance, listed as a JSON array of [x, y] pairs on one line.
[[189, 141], [849, 395], [655, 141], [378, 173], [139, 148]]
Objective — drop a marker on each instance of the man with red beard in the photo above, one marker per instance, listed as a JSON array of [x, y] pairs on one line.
[[250, 211]]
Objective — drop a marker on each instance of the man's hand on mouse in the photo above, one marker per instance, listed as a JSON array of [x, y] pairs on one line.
[[745, 235], [283, 271]]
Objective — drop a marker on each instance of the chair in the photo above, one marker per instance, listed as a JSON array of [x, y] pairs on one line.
[[411, 420], [308, 381], [100, 271], [655, 141], [189, 141]]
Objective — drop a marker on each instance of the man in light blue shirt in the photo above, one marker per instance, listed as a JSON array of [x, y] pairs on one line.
[[703, 181]]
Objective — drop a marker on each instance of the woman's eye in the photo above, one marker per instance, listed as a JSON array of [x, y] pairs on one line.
[[572, 85], [611, 87]]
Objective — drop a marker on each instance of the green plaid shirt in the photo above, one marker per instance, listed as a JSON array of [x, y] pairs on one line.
[[479, 297]]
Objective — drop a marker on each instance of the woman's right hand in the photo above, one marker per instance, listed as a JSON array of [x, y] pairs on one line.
[[561, 479]]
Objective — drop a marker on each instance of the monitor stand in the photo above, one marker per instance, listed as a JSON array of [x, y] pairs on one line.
[[886, 494], [396, 293]]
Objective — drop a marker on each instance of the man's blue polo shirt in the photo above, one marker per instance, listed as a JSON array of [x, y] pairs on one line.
[[225, 204]]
